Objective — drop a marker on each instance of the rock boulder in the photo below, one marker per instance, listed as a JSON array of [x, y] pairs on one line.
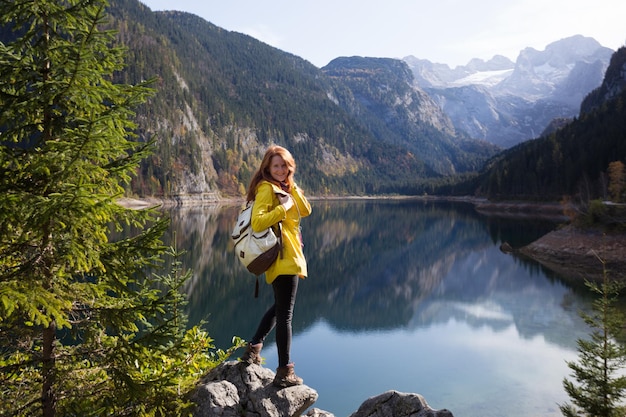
[[398, 404], [235, 390]]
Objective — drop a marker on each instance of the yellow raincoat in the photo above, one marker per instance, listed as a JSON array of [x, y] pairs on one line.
[[268, 211]]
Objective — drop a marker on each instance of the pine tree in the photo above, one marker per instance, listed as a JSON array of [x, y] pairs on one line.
[[85, 328], [599, 369], [617, 180]]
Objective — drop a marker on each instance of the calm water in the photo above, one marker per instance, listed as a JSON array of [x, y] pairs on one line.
[[402, 295]]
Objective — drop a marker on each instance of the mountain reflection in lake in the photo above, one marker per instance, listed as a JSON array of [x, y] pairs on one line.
[[406, 295]]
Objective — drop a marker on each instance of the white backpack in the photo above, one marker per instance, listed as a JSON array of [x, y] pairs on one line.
[[257, 251]]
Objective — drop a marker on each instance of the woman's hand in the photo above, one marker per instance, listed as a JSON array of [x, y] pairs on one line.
[[286, 201]]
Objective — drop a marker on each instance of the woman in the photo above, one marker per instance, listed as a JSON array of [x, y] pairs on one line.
[[277, 198]]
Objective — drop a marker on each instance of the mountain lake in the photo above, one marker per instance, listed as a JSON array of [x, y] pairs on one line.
[[402, 294]]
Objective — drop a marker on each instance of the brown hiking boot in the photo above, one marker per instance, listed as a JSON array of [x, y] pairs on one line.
[[286, 377], [252, 355]]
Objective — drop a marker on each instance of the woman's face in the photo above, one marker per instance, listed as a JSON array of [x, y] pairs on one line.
[[278, 168]]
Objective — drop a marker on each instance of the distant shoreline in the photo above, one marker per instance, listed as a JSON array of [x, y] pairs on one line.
[[513, 209], [571, 252], [212, 199]]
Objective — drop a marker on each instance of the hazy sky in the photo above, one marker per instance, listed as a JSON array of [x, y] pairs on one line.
[[444, 31]]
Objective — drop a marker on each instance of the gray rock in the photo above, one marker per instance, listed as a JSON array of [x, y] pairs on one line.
[[398, 404], [316, 412], [505, 247], [234, 390]]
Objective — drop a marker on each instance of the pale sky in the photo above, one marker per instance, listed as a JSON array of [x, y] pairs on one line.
[[444, 31]]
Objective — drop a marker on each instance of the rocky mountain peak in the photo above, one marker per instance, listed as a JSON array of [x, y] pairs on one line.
[[560, 53], [537, 74], [497, 63], [506, 103]]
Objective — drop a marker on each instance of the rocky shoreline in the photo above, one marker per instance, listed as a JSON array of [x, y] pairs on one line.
[[580, 254], [576, 254]]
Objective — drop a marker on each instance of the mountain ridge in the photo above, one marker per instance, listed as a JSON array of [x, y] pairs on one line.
[[570, 161], [370, 155], [408, 117], [509, 103], [224, 96], [357, 126]]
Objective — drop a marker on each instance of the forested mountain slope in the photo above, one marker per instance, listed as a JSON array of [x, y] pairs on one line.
[[385, 97], [357, 126], [223, 97]]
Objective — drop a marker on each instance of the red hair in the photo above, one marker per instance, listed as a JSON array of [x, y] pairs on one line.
[[263, 173]]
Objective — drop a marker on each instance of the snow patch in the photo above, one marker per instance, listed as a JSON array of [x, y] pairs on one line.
[[484, 78]]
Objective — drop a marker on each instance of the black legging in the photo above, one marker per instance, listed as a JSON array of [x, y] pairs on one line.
[[279, 315]]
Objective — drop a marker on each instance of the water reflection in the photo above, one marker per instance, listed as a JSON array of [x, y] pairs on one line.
[[398, 268], [372, 264]]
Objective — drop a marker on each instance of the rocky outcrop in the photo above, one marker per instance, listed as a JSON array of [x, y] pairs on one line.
[[234, 390], [397, 404]]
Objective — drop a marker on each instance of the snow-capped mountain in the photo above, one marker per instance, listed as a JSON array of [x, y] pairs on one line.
[[476, 72], [506, 103]]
